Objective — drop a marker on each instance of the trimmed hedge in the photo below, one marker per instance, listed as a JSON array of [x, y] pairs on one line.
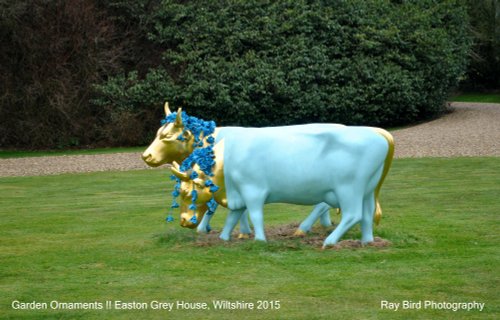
[[261, 63], [89, 72]]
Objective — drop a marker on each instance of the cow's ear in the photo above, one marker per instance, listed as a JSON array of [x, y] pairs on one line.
[[187, 134], [178, 119], [167, 109]]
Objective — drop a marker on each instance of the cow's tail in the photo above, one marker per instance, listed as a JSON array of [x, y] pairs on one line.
[[387, 166]]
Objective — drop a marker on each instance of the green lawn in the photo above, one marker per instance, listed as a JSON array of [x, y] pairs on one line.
[[101, 236], [24, 153], [477, 97]]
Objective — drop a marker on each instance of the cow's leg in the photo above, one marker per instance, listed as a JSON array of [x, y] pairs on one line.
[[254, 197], [203, 227], [245, 230], [231, 220], [367, 219], [351, 205], [325, 215], [255, 208], [321, 211]]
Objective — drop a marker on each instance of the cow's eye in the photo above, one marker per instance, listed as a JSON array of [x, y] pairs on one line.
[[199, 183], [184, 192], [166, 137]]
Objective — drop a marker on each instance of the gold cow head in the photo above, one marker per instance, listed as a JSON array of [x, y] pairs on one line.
[[166, 147]]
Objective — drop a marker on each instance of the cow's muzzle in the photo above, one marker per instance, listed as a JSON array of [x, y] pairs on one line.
[[150, 161], [186, 221]]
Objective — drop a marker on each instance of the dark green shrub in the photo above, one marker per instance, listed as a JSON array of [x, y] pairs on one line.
[[237, 62], [483, 72], [283, 62], [52, 53], [128, 117]]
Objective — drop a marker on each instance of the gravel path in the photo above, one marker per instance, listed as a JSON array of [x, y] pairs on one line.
[[37, 166], [472, 129]]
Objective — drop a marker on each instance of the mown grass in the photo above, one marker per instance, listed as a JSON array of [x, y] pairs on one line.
[[101, 236], [69, 152], [477, 97]]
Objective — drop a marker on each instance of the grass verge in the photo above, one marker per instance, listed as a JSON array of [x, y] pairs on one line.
[[101, 237], [477, 97], [42, 153]]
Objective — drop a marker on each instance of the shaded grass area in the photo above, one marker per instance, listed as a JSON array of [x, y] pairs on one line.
[[477, 97], [24, 153], [101, 236]]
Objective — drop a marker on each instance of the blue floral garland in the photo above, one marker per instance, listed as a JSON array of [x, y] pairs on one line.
[[203, 157], [195, 125]]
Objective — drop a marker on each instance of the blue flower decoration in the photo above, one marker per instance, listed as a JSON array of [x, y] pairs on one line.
[[193, 175], [211, 185], [196, 126], [169, 218], [203, 157], [212, 206], [194, 220]]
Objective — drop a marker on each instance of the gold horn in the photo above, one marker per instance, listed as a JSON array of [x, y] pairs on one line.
[[167, 109], [176, 170], [178, 119]]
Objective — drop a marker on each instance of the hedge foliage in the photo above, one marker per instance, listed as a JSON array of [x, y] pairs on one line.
[[89, 72], [261, 63]]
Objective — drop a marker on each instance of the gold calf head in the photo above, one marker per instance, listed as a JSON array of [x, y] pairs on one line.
[[187, 186]]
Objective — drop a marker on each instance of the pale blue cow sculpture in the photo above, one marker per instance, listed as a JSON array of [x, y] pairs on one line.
[[341, 166]]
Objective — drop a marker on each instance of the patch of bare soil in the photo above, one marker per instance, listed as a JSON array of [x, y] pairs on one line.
[[285, 234]]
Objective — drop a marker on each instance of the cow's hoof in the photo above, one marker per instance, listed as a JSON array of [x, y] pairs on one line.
[[327, 244], [366, 241], [244, 236], [299, 233]]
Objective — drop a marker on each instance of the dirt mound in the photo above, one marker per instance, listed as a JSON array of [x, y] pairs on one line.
[[286, 235]]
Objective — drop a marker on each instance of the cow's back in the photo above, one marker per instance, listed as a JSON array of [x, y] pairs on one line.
[[299, 163]]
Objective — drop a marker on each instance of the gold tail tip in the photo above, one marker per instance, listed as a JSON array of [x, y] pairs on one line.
[[378, 214]]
